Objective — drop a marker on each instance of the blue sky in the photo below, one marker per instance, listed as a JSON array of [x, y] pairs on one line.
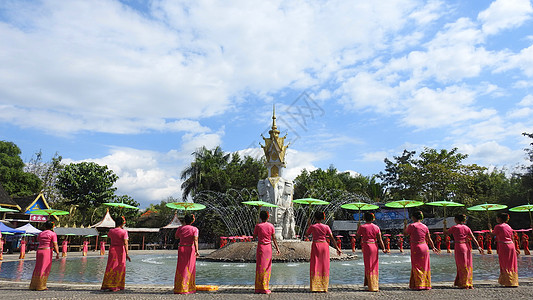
[[139, 85]]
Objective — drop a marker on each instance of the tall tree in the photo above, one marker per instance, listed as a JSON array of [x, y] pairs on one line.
[[86, 185], [527, 177], [47, 172], [15, 181]]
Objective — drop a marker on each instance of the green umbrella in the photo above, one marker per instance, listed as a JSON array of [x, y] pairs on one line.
[[104, 236], [486, 207], [310, 201], [524, 208], [186, 206], [7, 210], [7, 233], [49, 212], [120, 205], [445, 204], [404, 204], [259, 203], [359, 206]]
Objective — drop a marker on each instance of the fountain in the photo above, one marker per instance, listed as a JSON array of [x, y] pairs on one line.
[[289, 220]]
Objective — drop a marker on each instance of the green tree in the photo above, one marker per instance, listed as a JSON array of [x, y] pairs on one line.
[[15, 181], [86, 185], [527, 177], [47, 172], [206, 172]]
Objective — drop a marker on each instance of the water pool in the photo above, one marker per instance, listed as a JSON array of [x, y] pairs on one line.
[[160, 269]]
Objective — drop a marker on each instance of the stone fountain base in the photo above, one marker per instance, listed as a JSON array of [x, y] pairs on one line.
[[291, 250]]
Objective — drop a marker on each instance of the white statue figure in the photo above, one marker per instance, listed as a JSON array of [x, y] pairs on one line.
[[282, 217]]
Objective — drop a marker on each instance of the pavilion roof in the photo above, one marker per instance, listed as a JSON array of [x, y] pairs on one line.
[[107, 222], [175, 223]]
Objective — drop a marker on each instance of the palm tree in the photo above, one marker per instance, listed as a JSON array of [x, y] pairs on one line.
[[201, 173]]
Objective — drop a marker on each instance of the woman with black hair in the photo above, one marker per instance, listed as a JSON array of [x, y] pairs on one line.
[[370, 235], [185, 279], [43, 260], [507, 253], [319, 269], [115, 272], [265, 234], [420, 265], [463, 253]]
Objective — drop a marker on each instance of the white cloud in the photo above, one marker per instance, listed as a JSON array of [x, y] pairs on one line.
[[375, 156], [491, 153], [505, 14]]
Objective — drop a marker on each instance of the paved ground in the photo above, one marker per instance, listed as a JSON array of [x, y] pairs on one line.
[[441, 290]]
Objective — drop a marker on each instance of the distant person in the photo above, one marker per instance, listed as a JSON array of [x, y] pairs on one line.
[[507, 253], [102, 247], [448, 244], [525, 243], [85, 248], [438, 240], [400, 243], [43, 259], [488, 243], [265, 234], [463, 253], [370, 234], [420, 264], [1, 247], [185, 279], [115, 272], [64, 248], [319, 266], [22, 254]]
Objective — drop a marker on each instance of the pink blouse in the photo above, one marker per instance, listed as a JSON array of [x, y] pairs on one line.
[[186, 234], [417, 232], [319, 232], [264, 232], [117, 236], [47, 238], [504, 233], [460, 232], [368, 232]]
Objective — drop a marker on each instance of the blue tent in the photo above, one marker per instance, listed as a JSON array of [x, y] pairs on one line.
[[4, 228]]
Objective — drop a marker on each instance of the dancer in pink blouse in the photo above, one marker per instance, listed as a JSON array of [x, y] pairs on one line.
[[64, 248], [370, 235], [115, 272], [507, 253], [43, 260], [463, 253], [185, 279], [265, 234], [319, 269], [420, 265]]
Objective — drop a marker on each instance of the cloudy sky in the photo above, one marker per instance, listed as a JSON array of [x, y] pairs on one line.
[[139, 85]]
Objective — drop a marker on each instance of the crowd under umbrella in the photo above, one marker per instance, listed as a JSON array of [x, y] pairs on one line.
[[359, 206], [309, 202], [524, 208], [259, 203], [445, 204], [487, 207], [404, 204]]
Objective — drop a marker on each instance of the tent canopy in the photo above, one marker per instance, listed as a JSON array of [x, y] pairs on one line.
[[5, 228], [75, 231], [144, 230], [28, 228]]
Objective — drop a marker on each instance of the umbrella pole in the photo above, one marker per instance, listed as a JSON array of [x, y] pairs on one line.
[[530, 220], [488, 219]]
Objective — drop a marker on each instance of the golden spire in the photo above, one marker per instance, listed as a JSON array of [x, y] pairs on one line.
[[274, 129], [274, 149]]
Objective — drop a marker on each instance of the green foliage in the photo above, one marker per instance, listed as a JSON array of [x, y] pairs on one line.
[[214, 170], [433, 176], [315, 183], [86, 185], [15, 181]]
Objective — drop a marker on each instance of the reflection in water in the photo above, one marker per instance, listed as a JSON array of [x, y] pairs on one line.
[[160, 269]]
